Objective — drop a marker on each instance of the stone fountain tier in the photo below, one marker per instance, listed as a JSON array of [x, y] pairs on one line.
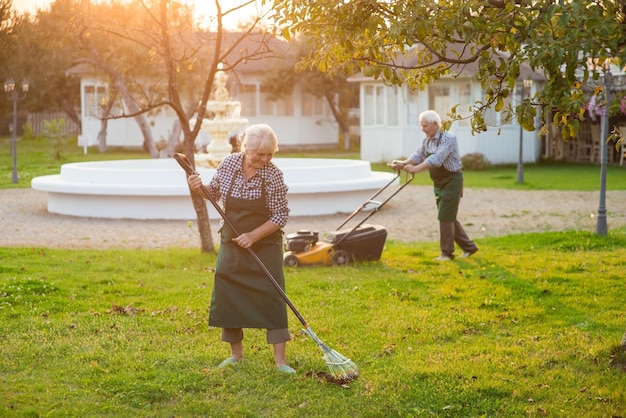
[[157, 189], [226, 121]]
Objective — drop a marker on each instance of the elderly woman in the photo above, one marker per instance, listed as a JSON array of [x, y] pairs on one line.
[[253, 193], [439, 154]]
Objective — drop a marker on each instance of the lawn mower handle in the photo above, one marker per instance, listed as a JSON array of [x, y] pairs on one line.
[[184, 162]]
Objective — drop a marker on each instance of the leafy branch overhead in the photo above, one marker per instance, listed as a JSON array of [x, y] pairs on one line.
[[417, 42]]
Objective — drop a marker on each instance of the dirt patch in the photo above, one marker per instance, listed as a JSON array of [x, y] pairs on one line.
[[409, 216]]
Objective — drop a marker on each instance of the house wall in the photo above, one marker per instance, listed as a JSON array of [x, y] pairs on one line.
[[294, 130], [383, 141]]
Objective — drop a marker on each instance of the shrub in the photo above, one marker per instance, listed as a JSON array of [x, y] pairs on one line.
[[475, 161]]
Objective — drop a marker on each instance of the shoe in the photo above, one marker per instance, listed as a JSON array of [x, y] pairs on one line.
[[285, 369], [229, 361], [468, 254], [443, 258]]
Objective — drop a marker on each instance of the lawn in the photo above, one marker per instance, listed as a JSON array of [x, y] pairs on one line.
[[530, 326]]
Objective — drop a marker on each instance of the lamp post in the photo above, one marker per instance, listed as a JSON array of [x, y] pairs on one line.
[[520, 163], [601, 225], [12, 93]]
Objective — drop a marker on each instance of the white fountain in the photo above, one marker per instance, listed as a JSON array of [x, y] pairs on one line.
[[157, 189], [226, 120]]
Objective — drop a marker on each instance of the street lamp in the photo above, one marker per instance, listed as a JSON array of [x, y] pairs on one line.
[[601, 225], [520, 163], [12, 93]]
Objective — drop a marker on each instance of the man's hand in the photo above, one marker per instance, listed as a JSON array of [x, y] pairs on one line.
[[397, 164]]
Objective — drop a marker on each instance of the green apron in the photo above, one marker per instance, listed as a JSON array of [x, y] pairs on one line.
[[448, 188], [243, 296]]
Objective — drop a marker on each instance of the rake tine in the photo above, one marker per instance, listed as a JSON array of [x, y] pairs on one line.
[[339, 365]]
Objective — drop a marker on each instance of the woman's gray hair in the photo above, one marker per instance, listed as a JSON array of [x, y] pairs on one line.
[[430, 116], [258, 135]]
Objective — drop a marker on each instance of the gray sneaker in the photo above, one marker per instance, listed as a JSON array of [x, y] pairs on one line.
[[467, 254]]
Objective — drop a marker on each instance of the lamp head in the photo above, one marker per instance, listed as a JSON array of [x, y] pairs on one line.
[[9, 86]]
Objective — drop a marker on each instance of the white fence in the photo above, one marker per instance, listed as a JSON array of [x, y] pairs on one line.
[[36, 121]]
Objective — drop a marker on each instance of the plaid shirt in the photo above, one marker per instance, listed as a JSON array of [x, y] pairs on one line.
[[442, 150], [229, 173]]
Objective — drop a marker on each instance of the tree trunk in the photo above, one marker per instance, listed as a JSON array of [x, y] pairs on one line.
[[173, 142], [342, 120], [70, 111], [104, 122], [102, 135], [204, 226], [200, 205]]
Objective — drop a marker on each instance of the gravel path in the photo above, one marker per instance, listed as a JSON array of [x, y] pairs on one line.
[[409, 216]]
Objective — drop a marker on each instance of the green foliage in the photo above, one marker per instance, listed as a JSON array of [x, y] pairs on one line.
[[418, 42], [528, 326], [53, 130]]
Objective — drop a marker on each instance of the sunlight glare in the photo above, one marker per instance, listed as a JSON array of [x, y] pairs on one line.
[[205, 11]]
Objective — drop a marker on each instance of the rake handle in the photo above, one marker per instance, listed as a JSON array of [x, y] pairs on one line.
[[184, 162]]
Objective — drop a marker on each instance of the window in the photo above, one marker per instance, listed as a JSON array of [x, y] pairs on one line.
[[392, 106], [380, 106], [439, 99], [312, 106], [465, 103], [247, 97], [412, 108], [284, 106], [95, 99]]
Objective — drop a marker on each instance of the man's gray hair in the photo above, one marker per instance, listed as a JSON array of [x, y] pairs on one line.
[[430, 116]]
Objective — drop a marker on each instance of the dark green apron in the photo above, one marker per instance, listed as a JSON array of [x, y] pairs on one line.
[[448, 188], [243, 296]]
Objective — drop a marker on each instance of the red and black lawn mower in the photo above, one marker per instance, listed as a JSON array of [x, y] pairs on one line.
[[363, 242]]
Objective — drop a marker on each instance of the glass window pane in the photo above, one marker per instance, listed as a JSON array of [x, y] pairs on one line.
[[392, 106], [307, 100], [412, 108], [266, 105], [368, 106], [380, 105], [247, 97], [439, 99]]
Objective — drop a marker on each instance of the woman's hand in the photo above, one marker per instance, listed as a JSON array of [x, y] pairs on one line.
[[195, 182], [244, 240]]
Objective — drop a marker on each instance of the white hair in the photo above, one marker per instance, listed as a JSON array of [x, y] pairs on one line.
[[258, 135], [430, 116]]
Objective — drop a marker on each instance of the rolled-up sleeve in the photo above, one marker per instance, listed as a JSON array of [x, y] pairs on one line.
[[277, 203]]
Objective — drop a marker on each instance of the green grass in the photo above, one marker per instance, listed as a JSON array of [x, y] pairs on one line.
[[36, 158], [530, 326]]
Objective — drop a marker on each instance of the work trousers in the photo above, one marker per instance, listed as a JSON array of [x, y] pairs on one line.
[[451, 232]]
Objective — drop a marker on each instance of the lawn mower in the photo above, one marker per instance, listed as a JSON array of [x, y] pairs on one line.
[[363, 242]]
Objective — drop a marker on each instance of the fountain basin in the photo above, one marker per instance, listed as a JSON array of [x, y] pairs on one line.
[[157, 189]]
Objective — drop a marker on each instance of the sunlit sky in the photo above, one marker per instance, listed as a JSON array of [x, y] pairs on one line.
[[203, 8]]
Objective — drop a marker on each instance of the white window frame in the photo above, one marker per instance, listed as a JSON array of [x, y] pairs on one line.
[[380, 105], [95, 98]]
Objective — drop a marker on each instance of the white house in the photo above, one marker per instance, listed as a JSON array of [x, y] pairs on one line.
[[299, 120], [390, 128]]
